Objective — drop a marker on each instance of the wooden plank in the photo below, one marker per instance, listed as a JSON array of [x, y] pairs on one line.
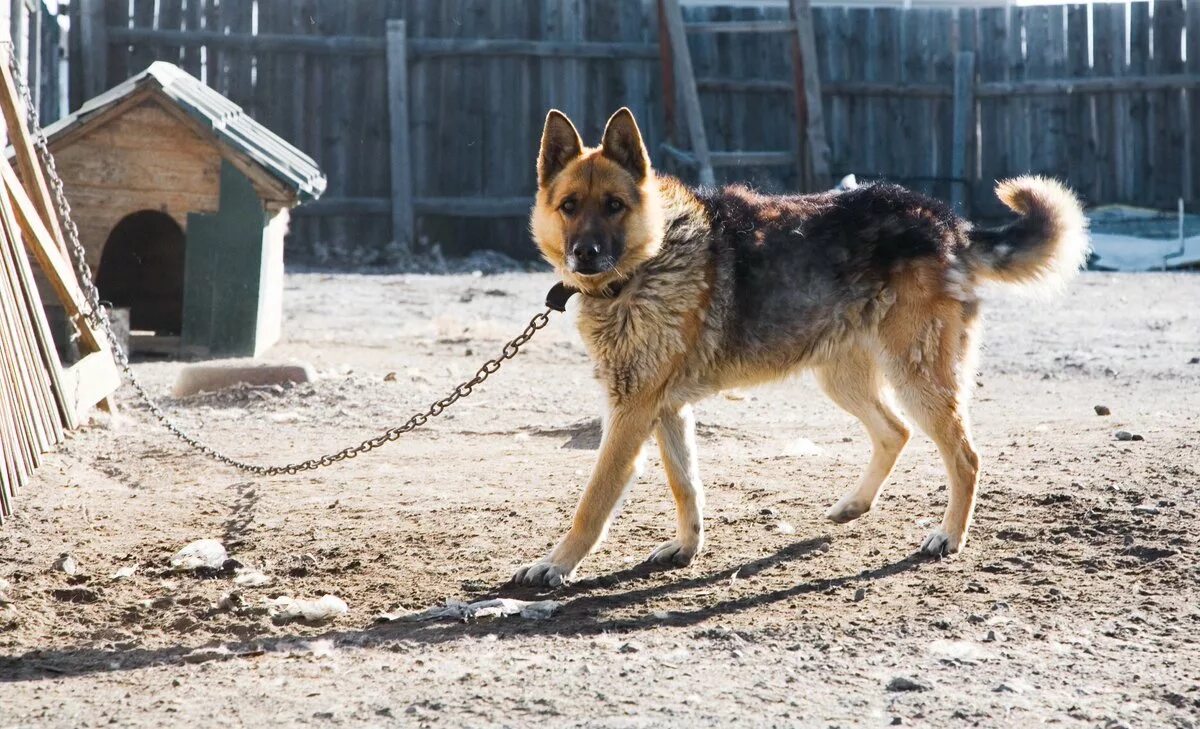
[[742, 26], [401, 149], [1137, 166], [26, 156], [94, 44], [1164, 131], [1190, 110], [473, 207], [808, 85], [41, 408], [39, 242], [963, 130], [1081, 139], [89, 381], [685, 79], [367, 45], [753, 158], [345, 206], [116, 16], [142, 54]]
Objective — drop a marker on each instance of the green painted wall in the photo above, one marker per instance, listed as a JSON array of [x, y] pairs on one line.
[[223, 276]]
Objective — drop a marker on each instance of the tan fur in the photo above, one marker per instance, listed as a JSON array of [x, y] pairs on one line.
[[660, 343]]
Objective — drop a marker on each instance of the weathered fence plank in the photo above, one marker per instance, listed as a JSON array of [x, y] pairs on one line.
[[482, 74]]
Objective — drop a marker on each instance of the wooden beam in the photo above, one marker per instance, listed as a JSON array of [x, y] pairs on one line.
[[430, 47], [94, 40], [963, 135], [26, 155], [1098, 85], [809, 112], [370, 45], [344, 206], [741, 26], [685, 78], [403, 229], [474, 207], [753, 159]]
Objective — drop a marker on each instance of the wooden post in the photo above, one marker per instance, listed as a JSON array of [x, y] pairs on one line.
[[685, 77], [401, 148], [964, 128], [93, 47], [810, 114], [666, 62]]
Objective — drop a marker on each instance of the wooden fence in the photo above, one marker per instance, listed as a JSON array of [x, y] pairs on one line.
[[948, 100]]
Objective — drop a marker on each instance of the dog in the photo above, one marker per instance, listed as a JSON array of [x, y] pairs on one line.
[[686, 292]]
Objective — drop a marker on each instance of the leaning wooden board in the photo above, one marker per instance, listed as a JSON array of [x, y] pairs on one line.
[[39, 399]]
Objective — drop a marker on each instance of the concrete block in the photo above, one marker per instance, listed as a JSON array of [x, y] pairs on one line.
[[213, 376]]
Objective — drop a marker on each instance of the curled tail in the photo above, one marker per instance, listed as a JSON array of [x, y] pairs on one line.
[[1047, 244]]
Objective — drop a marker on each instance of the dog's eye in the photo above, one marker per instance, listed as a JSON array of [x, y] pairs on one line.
[[568, 206], [615, 205]]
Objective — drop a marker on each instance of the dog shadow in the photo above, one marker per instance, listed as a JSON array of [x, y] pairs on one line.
[[585, 602]]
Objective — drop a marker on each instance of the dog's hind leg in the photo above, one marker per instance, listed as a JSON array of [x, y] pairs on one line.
[[855, 383], [931, 364], [676, 434]]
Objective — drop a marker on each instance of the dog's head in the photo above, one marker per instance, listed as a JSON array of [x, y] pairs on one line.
[[598, 215]]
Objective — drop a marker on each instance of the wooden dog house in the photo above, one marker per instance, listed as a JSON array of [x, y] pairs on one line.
[[182, 205]]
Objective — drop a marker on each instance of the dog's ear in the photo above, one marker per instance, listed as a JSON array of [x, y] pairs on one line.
[[623, 143], [560, 145]]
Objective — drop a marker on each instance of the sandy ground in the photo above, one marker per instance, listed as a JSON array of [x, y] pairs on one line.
[[1077, 602]]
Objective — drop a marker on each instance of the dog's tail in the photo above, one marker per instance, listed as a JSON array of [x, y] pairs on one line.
[[1046, 245]]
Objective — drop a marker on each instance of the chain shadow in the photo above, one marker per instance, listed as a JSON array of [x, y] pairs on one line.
[[576, 617]]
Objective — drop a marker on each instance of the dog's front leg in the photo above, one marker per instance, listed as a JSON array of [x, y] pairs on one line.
[[625, 436], [676, 434]]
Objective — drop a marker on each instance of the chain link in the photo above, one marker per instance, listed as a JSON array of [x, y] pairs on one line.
[[97, 317]]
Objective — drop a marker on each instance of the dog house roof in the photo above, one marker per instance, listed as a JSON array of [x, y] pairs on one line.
[[228, 122]]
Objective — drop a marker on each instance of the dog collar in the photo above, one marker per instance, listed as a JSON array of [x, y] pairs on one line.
[[560, 293]]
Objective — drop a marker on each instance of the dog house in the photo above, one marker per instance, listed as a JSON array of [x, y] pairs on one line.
[[182, 204]]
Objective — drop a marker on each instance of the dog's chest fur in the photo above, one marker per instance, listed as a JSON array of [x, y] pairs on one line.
[[653, 330]]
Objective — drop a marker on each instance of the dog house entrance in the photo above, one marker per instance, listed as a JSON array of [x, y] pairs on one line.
[[141, 269]]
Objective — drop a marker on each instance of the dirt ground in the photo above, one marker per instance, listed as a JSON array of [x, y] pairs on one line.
[[1076, 603]]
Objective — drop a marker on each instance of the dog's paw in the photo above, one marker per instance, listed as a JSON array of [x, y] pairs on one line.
[[674, 553], [940, 544], [542, 573], [846, 510]]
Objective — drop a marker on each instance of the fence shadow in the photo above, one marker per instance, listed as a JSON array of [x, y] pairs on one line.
[[583, 602]]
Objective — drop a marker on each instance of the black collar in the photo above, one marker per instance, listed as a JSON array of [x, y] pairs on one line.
[[560, 293]]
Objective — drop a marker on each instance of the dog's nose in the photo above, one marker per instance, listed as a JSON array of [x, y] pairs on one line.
[[585, 250]]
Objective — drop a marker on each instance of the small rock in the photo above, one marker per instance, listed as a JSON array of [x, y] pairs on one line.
[[1125, 435], [124, 573], [249, 577], [1102, 410], [66, 564], [389, 377], [904, 683], [1146, 509], [782, 527], [767, 511], [632, 647], [232, 601], [327, 607], [1194, 360], [859, 595], [5, 586], [202, 553]]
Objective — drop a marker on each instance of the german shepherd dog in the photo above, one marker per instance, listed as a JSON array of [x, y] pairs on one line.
[[687, 292]]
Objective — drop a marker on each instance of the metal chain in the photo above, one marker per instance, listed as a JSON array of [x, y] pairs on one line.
[[98, 318]]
